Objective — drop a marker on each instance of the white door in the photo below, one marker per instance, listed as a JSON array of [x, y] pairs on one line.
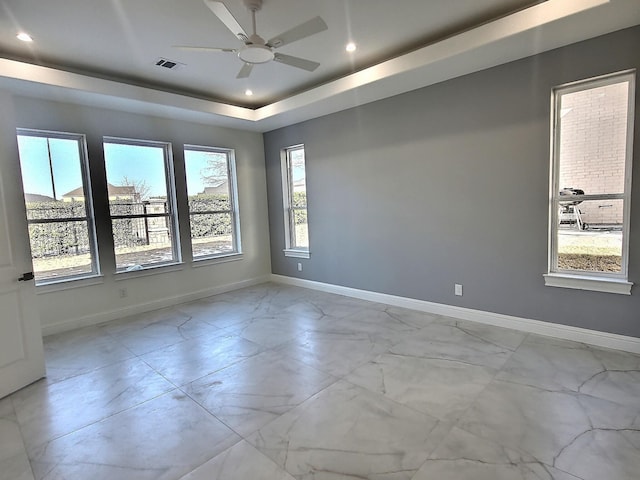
[[21, 352]]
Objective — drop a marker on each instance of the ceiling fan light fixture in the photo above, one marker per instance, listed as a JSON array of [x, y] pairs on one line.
[[255, 50], [255, 54]]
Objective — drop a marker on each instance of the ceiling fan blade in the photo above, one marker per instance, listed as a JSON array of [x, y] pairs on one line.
[[204, 49], [296, 62], [222, 12], [245, 71], [304, 30]]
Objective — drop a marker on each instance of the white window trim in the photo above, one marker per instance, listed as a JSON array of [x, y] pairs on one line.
[[588, 280], [171, 201], [235, 209], [297, 253], [153, 269], [583, 282], [69, 284], [225, 258], [95, 275], [290, 250]]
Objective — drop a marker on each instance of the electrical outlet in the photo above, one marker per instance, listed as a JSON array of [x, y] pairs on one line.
[[458, 289], [122, 293], [299, 266]]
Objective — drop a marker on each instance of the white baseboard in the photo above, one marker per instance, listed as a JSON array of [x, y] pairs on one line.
[[576, 334], [109, 315]]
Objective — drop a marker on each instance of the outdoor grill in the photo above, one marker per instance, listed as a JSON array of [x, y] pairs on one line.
[[569, 211]]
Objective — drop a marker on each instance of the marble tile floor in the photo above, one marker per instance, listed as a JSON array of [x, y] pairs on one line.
[[279, 383]]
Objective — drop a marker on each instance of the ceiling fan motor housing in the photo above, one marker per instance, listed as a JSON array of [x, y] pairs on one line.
[[255, 54]]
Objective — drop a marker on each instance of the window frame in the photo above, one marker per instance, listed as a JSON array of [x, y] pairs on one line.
[[89, 218], [171, 215], [233, 202], [291, 249], [608, 282]]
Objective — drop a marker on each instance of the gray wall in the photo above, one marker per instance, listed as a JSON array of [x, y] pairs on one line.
[[449, 184]]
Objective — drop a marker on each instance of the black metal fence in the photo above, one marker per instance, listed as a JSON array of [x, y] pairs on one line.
[[59, 228]]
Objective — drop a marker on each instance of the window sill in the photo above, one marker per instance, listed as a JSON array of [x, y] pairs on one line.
[[147, 271], [288, 252], [206, 261], [68, 284], [584, 282]]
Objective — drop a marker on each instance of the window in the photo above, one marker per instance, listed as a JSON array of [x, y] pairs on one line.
[[57, 196], [141, 203], [295, 202], [591, 184], [213, 210]]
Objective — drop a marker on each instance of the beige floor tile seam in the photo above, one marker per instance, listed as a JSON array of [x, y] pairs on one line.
[[179, 387], [246, 436]]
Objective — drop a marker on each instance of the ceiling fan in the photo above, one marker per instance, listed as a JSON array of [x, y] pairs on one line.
[[255, 49]]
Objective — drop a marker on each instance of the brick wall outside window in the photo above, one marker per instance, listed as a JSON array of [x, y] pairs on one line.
[[593, 148]]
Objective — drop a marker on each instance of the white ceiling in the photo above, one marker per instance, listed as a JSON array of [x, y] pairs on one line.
[[104, 52]]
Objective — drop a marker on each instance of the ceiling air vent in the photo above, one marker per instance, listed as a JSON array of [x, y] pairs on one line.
[[169, 64]]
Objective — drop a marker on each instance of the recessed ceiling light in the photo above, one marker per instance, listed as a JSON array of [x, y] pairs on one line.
[[25, 37], [248, 92], [351, 47]]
